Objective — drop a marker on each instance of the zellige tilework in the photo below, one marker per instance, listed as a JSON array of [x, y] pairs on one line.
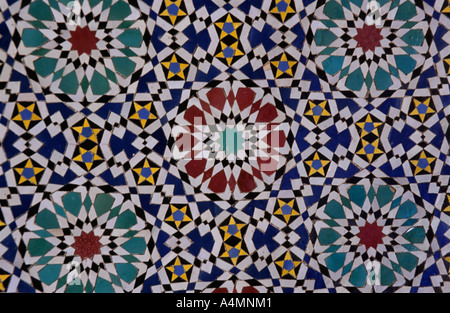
[[224, 146]]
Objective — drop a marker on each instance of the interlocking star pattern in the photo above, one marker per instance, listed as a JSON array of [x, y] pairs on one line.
[[198, 146]]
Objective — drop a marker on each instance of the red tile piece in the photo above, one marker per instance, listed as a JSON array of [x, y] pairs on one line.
[[193, 112], [83, 40], [218, 182], [196, 167], [267, 114], [245, 98], [371, 235], [368, 37], [217, 98], [246, 182], [87, 245]]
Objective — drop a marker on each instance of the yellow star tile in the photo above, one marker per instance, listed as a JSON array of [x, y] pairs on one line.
[[362, 125], [323, 113], [2, 280], [173, 269], [423, 156], [370, 156], [95, 156], [283, 14], [182, 66], [32, 179], [136, 115], [232, 223], [288, 261], [93, 136], [2, 223], [33, 117], [173, 18], [314, 170], [182, 210], [416, 109], [229, 20], [281, 204], [142, 177], [290, 65], [229, 248], [235, 48]]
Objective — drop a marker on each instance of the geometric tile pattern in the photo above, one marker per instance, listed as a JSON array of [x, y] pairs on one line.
[[363, 225], [369, 59], [97, 56], [212, 146]]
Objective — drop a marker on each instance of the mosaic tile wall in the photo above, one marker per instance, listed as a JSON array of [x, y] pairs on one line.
[[224, 146]]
